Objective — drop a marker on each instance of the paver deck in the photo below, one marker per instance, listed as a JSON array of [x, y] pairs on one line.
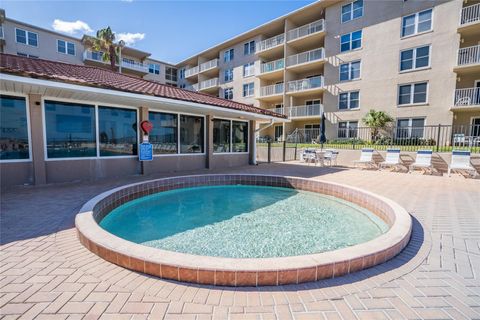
[[45, 273]]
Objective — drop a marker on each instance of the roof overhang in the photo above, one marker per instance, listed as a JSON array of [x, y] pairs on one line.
[[73, 92]]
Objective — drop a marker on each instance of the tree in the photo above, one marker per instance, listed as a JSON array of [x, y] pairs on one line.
[[376, 120], [104, 42]]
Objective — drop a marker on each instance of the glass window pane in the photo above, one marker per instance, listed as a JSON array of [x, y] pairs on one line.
[[343, 101], [424, 21], [13, 128], [357, 9], [355, 70], [357, 35], [404, 94], [240, 136], [117, 131], [70, 130], [21, 36], [420, 93], [344, 72], [417, 128], [61, 46], [164, 135], [32, 39], [406, 60], [191, 134], [422, 57], [408, 25], [346, 16], [71, 48], [221, 135]]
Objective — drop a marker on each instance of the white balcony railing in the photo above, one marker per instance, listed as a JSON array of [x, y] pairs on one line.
[[467, 97], [270, 42], [304, 57], [192, 87], [313, 27], [470, 14], [314, 110], [305, 84], [133, 65], [469, 55], [209, 65], [271, 90], [97, 56], [191, 71], [210, 83], [272, 66]]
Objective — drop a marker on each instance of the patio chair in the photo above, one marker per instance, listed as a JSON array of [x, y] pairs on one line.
[[366, 158], [422, 161], [459, 138], [392, 159], [461, 162], [308, 155], [330, 156]]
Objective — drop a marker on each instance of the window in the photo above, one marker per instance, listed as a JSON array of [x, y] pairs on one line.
[[14, 142], [164, 135], [278, 135], [191, 134], [228, 93], [97, 55], [154, 68], [66, 47], [182, 73], [417, 23], [416, 58], [410, 128], [349, 100], [221, 135], [248, 89], [347, 129], [352, 10], [21, 54], [170, 74], [350, 71], [117, 131], [183, 86], [239, 136], [228, 55], [248, 48], [228, 75], [249, 69], [412, 93], [351, 41], [70, 130], [26, 37]]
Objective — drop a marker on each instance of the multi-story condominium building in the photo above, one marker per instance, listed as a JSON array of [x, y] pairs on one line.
[[27, 40]]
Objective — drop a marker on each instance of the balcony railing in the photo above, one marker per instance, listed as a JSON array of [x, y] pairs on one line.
[[272, 66], [191, 71], [304, 57], [469, 55], [210, 83], [313, 27], [314, 110], [97, 56], [271, 90], [135, 66], [192, 87], [270, 42], [470, 14], [305, 84], [209, 65], [467, 97]]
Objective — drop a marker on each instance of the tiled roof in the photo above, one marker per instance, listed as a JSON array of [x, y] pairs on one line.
[[106, 79]]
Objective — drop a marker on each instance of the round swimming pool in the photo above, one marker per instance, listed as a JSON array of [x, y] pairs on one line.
[[238, 221]]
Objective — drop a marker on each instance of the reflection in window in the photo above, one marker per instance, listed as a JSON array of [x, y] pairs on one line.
[[164, 135], [70, 130], [239, 136], [117, 131], [221, 135], [191, 134], [13, 128]]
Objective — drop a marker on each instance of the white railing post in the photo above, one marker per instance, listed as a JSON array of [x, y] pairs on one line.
[[470, 14], [469, 55]]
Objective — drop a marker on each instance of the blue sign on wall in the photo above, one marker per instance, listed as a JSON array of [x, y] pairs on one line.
[[146, 151]]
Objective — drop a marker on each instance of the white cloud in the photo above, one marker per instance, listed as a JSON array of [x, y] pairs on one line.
[[71, 27], [130, 38]]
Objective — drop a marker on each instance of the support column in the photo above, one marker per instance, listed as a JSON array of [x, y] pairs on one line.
[[37, 139], [146, 167], [252, 143], [209, 143]]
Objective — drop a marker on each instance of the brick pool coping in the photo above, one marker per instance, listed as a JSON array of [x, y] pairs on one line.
[[242, 272]]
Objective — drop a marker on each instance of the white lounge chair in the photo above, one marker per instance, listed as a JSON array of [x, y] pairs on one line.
[[366, 158], [423, 161], [392, 159], [461, 162], [330, 156]]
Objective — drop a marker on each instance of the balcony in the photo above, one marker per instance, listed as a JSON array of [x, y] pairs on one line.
[[192, 87], [271, 70], [470, 19], [210, 85], [209, 67], [271, 45], [306, 60], [191, 72], [301, 112], [468, 60], [467, 99], [95, 58], [307, 34], [305, 86], [272, 92]]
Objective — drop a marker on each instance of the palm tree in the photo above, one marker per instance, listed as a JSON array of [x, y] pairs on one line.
[[376, 120], [104, 42]]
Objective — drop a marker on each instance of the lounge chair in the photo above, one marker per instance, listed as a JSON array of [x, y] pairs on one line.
[[330, 156], [461, 162], [392, 159], [422, 161], [366, 158]]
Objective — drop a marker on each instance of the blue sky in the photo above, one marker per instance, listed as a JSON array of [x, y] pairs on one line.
[[171, 30]]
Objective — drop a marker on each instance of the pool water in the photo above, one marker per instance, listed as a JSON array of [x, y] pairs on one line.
[[243, 222]]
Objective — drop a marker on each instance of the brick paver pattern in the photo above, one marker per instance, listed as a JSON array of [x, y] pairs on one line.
[[45, 273]]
